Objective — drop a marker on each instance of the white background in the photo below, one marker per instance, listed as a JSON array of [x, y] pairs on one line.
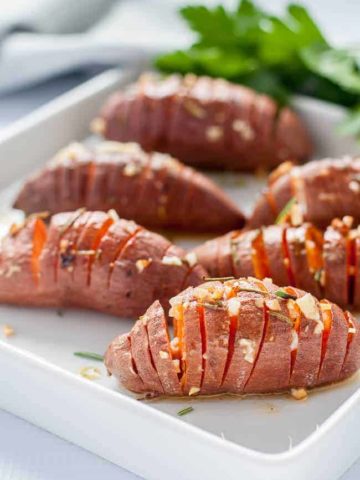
[[29, 453]]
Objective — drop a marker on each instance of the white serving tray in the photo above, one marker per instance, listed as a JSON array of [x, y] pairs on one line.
[[229, 438]]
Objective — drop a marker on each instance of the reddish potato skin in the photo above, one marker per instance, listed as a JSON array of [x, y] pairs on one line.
[[192, 349], [153, 189], [335, 266], [307, 362], [352, 357], [140, 351], [334, 357], [160, 348], [325, 189], [261, 360], [114, 266], [119, 362], [250, 326], [206, 122], [273, 356], [304, 278], [217, 330], [274, 250]]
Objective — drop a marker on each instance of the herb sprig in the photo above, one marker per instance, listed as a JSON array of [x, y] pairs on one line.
[[277, 55], [185, 411], [90, 356]]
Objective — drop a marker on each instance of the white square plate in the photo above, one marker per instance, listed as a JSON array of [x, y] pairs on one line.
[[270, 437]]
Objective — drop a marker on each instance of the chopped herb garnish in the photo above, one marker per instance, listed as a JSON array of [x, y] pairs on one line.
[[285, 212], [253, 290], [185, 411], [280, 316], [219, 279], [287, 296], [318, 274], [90, 356]]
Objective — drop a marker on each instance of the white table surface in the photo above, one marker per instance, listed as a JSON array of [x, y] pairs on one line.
[[29, 453]]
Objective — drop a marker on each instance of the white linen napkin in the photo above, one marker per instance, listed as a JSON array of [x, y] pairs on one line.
[[43, 38]]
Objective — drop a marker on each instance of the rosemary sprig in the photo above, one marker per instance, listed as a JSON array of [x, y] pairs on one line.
[[285, 212], [219, 279], [185, 411], [280, 316], [285, 295], [90, 356], [318, 274]]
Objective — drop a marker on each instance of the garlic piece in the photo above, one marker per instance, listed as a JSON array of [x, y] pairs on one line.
[[294, 340], [299, 393], [8, 331], [194, 391], [248, 349], [308, 306], [191, 259], [233, 306], [171, 260]]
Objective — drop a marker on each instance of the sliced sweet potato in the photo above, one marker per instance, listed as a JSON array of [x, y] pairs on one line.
[[120, 362], [151, 188], [92, 260], [325, 189], [335, 266], [166, 366], [247, 336], [335, 338], [206, 122]]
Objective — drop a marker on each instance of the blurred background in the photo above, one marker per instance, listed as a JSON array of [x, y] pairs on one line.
[[49, 46]]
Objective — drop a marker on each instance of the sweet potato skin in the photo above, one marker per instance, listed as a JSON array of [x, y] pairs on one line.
[[152, 189], [325, 189], [205, 122], [91, 260], [259, 358]]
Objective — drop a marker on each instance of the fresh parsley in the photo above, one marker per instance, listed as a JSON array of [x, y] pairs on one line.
[[277, 55]]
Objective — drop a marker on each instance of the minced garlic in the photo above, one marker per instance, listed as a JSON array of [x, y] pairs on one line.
[[194, 391], [8, 331], [171, 260], [142, 263], [90, 373], [299, 393]]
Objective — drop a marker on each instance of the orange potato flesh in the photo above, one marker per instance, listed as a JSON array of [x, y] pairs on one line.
[[271, 202], [102, 231], [121, 248], [314, 246], [327, 321], [39, 238], [258, 257], [287, 259], [351, 267]]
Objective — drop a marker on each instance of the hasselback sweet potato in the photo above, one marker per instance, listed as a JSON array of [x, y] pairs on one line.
[[205, 122], [322, 263], [92, 260], [323, 190], [152, 189], [241, 336]]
